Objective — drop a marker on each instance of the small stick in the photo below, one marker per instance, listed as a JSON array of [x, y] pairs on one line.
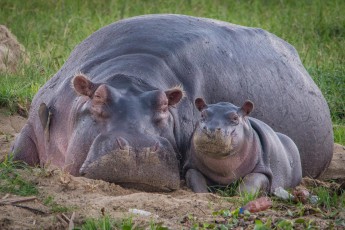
[[62, 220], [7, 195], [71, 224], [17, 200], [65, 217], [34, 210]]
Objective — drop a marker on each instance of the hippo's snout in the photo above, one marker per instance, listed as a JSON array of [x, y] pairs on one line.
[[120, 159], [214, 131], [124, 145]]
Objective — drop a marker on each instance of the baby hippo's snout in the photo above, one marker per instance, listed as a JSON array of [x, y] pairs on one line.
[[213, 131]]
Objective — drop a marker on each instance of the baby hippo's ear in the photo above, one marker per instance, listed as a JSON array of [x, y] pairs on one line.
[[246, 108], [200, 104]]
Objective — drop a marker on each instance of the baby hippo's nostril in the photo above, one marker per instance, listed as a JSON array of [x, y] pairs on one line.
[[155, 147], [123, 144]]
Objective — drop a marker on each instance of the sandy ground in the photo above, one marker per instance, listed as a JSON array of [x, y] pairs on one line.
[[85, 198]]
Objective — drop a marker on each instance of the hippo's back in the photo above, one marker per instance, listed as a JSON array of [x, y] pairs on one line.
[[219, 62]]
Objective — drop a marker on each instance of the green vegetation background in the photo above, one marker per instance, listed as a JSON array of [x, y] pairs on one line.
[[50, 29]]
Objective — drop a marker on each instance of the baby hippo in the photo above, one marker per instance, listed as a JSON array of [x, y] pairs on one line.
[[227, 145]]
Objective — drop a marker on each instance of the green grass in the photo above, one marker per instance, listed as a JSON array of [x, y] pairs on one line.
[[12, 182], [50, 30], [107, 223], [54, 206], [329, 199]]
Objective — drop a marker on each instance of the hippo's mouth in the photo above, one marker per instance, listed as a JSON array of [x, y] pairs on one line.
[[213, 146], [145, 170]]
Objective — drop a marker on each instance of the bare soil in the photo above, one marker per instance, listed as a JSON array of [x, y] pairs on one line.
[[84, 198]]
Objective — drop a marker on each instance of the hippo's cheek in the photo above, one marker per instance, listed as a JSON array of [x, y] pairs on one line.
[[155, 170]]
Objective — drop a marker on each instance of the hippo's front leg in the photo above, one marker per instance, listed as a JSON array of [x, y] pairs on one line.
[[254, 183], [196, 181]]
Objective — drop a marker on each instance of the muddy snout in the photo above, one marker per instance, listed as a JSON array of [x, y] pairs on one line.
[[123, 145], [213, 141], [214, 131], [122, 159], [119, 148]]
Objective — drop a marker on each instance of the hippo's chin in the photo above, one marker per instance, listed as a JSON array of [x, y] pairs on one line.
[[148, 172], [146, 187]]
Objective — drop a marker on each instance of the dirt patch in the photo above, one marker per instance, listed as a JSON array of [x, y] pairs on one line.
[[11, 51], [10, 126], [61, 195]]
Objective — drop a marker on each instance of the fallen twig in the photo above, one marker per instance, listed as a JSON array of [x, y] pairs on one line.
[[17, 200], [34, 210], [62, 220], [71, 223], [6, 196]]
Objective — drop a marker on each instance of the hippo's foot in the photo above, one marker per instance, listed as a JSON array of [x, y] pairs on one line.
[[196, 181], [254, 183], [24, 148]]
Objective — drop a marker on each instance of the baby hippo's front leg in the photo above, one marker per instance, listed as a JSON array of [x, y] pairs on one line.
[[254, 183], [196, 181]]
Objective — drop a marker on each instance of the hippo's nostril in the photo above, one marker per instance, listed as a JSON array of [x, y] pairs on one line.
[[81, 171], [155, 147], [123, 144]]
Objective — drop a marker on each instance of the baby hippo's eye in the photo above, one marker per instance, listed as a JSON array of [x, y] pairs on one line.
[[203, 115], [234, 118]]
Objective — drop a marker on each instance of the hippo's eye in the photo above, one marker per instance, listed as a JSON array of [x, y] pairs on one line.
[[234, 118], [203, 115], [161, 114]]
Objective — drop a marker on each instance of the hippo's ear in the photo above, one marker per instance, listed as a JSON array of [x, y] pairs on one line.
[[174, 95], [83, 86], [200, 104], [246, 108]]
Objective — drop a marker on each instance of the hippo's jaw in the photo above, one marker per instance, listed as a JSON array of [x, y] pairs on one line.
[[147, 168], [216, 144]]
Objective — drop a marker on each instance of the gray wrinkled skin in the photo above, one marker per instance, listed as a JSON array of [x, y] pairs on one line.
[[141, 56], [227, 146]]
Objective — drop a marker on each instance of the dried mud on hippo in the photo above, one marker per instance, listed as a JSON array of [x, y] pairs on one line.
[[121, 108]]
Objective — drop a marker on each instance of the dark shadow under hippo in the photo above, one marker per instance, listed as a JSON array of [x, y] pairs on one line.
[[123, 119], [228, 146]]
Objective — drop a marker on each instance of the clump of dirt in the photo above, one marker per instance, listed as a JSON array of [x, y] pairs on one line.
[[10, 126], [11, 51], [64, 201]]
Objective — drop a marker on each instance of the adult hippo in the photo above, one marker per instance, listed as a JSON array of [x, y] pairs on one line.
[[228, 146], [120, 121]]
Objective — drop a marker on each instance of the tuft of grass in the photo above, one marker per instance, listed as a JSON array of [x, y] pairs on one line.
[[232, 190], [11, 181], [107, 223], [55, 207], [329, 199], [103, 223], [226, 191]]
